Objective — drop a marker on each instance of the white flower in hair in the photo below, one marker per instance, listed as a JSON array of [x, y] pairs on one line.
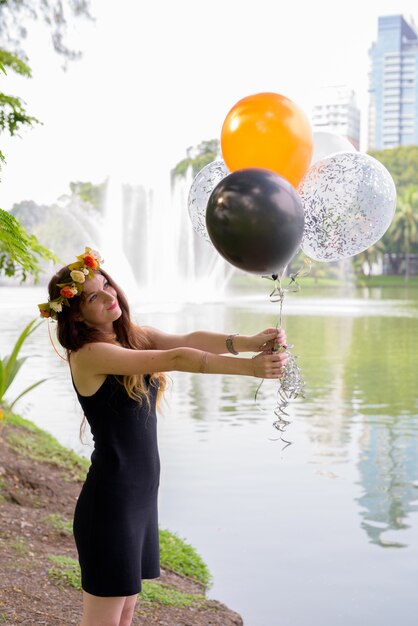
[[97, 255], [56, 306], [78, 276]]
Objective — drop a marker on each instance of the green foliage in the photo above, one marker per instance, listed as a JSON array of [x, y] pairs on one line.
[[14, 14], [13, 115], [19, 546], [182, 558], [401, 238], [389, 280], [65, 571], [403, 233], [18, 65], [20, 253], [63, 526], [197, 158], [88, 192], [63, 225], [364, 261], [2, 498], [38, 445], [402, 163], [10, 365], [169, 596]]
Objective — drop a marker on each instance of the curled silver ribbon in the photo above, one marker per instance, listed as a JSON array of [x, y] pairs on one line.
[[291, 384]]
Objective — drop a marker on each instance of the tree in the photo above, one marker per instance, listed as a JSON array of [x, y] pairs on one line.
[[21, 252], [13, 115], [90, 193], [366, 259], [404, 230], [206, 152], [402, 163]]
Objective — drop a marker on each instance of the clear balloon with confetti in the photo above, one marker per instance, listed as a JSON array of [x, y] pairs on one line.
[[349, 200]]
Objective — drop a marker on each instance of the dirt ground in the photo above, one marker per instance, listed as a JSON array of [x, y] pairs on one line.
[[31, 491]]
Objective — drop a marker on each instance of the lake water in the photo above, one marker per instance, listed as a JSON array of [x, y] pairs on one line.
[[321, 533]]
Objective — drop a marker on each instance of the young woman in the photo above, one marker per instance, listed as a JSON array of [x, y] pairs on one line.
[[117, 370]]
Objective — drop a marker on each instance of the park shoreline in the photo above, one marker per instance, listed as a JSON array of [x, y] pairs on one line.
[[39, 484]]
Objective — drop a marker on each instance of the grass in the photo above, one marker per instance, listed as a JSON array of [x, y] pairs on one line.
[[176, 555], [65, 571], [64, 526], [34, 443], [169, 596], [182, 558], [2, 498], [19, 546]]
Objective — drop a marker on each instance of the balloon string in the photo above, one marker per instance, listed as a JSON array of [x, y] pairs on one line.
[[291, 385]]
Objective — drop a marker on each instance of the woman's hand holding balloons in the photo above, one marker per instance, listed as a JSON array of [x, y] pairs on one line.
[[267, 340], [269, 365]]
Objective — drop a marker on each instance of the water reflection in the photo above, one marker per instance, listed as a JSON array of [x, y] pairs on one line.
[[388, 465], [381, 376]]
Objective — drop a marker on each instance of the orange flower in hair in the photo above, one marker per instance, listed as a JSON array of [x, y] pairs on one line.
[[90, 261], [44, 310], [68, 292]]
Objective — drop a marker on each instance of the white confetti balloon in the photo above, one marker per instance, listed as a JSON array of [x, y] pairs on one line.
[[349, 201], [200, 190]]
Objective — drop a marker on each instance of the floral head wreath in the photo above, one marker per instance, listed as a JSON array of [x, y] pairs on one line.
[[79, 271]]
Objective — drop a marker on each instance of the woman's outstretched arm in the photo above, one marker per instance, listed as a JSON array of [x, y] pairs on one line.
[[216, 342]]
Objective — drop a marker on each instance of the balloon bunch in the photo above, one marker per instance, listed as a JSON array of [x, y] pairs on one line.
[[281, 187], [247, 205]]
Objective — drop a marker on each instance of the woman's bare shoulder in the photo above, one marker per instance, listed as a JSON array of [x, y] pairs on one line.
[[86, 379]]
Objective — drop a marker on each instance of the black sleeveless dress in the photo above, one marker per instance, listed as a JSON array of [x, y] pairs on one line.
[[116, 519]]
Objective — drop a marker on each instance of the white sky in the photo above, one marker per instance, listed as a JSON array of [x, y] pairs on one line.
[[157, 77]]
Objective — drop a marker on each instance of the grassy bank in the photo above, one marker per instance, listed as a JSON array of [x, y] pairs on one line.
[[39, 483], [260, 285], [387, 281]]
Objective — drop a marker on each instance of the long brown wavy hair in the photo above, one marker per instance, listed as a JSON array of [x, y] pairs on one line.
[[73, 334]]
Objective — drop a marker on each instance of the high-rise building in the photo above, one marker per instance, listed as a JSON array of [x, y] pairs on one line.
[[335, 110], [393, 85]]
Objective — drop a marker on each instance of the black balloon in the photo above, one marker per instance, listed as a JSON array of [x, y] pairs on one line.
[[255, 220]]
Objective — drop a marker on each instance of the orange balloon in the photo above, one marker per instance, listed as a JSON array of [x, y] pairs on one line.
[[268, 130]]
